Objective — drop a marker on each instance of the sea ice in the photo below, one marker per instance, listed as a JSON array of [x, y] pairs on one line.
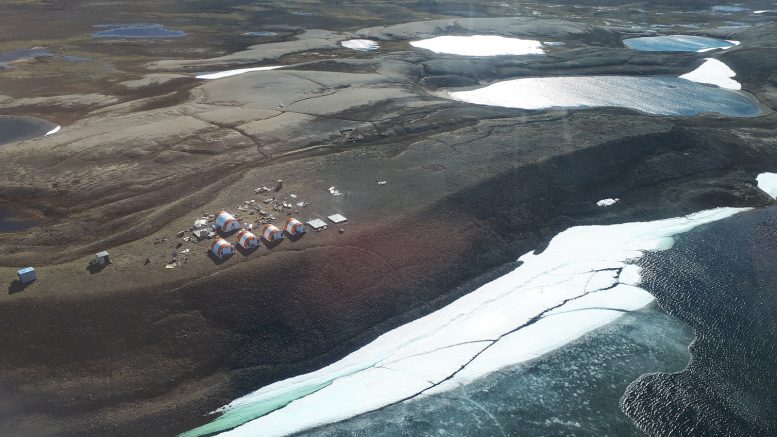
[[714, 72], [584, 279], [480, 45]]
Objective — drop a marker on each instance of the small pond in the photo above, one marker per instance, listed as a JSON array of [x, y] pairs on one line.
[[137, 30], [677, 43], [14, 128]]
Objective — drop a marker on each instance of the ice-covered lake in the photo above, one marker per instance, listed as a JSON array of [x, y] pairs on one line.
[[678, 43], [480, 45], [708, 89]]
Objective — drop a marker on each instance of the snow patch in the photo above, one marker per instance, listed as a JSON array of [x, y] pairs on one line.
[[768, 183], [53, 131], [607, 202], [480, 45], [228, 73], [583, 280], [361, 45], [732, 42], [714, 72]]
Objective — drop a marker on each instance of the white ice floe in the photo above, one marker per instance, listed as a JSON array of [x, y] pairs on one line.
[[53, 131], [768, 183], [228, 73], [361, 45], [607, 202], [480, 45], [714, 72], [584, 279]]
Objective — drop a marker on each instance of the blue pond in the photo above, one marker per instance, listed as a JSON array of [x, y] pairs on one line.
[[137, 30], [676, 43], [10, 223], [13, 129], [729, 9], [260, 33]]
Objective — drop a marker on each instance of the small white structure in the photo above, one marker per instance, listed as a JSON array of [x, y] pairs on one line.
[[201, 234], [226, 222], [102, 258], [222, 249], [271, 233], [317, 224], [200, 223], [247, 240], [337, 218], [26, 275], [295, 227]]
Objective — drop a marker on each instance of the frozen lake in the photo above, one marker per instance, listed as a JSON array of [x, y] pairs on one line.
[[677, 43], [652, 95], [480, 45]]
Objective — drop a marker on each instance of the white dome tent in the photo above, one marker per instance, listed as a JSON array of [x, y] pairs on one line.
[[272, 233], [247, 240], [226, 222], [222, 249], [295, 227]]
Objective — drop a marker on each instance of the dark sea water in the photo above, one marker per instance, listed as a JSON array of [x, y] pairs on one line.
[[573, 391], [722, 281]]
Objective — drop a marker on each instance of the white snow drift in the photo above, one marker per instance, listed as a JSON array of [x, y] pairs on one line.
[[714, 72], [768, 183], [228, 73], [361, 45], [585, 279], [480, 45], [607, 202], [53, 131]]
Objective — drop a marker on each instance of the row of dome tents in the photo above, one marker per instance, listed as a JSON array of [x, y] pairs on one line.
[[246, 239]]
